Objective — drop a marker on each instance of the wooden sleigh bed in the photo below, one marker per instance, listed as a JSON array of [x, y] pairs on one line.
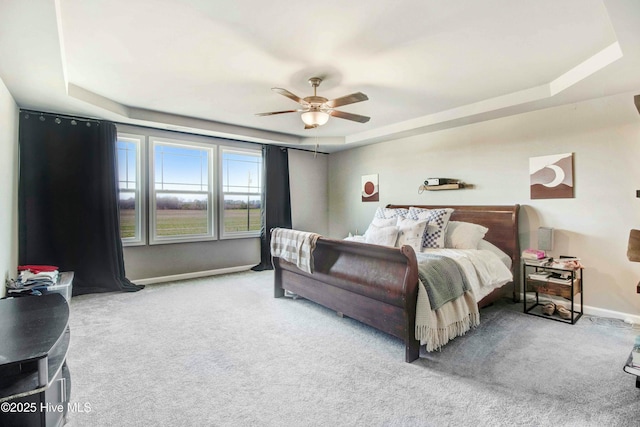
[[378, 285]]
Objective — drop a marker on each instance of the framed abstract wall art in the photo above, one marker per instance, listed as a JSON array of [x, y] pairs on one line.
[[551, 176], [370, 188]]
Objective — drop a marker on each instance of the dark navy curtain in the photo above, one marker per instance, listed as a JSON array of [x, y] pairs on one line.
[[68, 200], [276, 199]]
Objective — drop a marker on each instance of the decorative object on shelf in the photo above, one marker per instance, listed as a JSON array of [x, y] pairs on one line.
[[370, 188], [551, 176], [434, 184], [439, 181]]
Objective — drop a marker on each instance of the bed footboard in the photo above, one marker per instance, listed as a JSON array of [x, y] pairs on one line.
[[376, 285]]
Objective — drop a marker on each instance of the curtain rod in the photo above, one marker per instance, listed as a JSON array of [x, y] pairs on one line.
[[219, 137], [86, 119], [58, 115]]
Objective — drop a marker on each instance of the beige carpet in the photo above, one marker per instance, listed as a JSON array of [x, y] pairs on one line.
[[222, 351]]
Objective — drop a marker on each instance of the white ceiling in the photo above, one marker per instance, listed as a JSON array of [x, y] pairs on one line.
[[207, 66]]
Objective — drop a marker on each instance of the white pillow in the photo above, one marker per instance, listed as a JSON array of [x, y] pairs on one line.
[[488, 246], [383, 222], [385, 236], [380, 222], [438, 219], [463, 235], [410, 233]]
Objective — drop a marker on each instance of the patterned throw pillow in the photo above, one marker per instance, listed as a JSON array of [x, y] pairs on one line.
[[386, 213], [437, 219]]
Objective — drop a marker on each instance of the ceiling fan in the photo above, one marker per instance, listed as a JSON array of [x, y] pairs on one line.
[[317, 109]]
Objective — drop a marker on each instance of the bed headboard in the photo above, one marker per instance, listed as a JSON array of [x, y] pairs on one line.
[[502, 222]]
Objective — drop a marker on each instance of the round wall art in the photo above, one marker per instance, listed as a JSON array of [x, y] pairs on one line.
[[370, 188]]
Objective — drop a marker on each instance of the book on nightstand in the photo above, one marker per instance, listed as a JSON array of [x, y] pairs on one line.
[[534, 254], [540, 275], [537, 262]]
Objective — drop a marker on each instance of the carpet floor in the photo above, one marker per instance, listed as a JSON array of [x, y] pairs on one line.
[[221, 351]]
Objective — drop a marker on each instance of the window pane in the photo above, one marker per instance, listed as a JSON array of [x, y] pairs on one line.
[[181, 168], [181, 214], [128, 218], [241, 213], [183, 192], [241, 172], [127, 150]]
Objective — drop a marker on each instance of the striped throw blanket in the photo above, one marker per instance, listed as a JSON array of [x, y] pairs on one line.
[[294, 246]]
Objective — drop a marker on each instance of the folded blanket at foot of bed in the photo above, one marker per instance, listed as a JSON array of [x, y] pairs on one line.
[[294, 246], [443, 279], [446, 308]]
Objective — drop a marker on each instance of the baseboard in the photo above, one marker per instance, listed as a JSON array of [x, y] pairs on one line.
[[596, 311], [602, 312], [193, 275]]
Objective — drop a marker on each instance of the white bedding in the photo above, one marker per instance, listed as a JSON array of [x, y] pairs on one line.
[[484, 269]]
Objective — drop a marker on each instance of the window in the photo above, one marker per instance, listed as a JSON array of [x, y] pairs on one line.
[[242, 191], [182, 191], [187, 189], [130, 184]]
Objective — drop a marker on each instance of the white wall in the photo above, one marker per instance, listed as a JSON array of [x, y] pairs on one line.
[[309, 191], [493, 156], [8, 186]]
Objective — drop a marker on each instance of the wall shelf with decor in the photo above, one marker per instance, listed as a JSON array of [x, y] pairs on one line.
[[454, 186]]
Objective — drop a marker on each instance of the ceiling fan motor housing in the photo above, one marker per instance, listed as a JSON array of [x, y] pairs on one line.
[[315, 100]]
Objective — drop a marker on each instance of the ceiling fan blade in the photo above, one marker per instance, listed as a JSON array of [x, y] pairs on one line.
[[348, 99], [277, 112], [289, 95], [310, 126], [349, 116]]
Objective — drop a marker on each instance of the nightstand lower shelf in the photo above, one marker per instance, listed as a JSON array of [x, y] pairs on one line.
[[536, 310]]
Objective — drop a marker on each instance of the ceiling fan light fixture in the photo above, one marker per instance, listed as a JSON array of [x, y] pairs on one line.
[[315, 118]]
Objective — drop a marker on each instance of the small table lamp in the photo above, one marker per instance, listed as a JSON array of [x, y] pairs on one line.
[[545, 239]]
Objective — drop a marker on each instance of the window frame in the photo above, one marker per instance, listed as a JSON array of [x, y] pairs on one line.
[[212, 192], [140, 237], [241, 150]]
